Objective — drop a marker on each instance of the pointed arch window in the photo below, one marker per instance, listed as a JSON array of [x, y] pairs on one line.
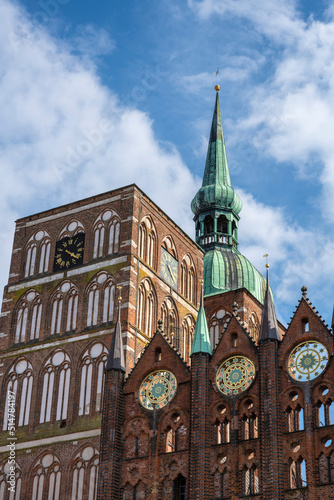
[[325, 413], [64, 307], [92, 379], [297, 470], [180, 488], [146, 307], [84, 474], [37, 254], [99, 233], [19, 385], [188, 327], [295, 419], [171, 440], [250, 427], [5, 477], [27, 319], [222, 484], [223, 431], [254, 327], [101, 299], [147, 241], [46, 478], [251, 480], [326, 468], [56, 386], [114, 231]]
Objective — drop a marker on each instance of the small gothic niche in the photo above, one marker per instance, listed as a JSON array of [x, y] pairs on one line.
[[305, 325], [234, 340], [157, 354]]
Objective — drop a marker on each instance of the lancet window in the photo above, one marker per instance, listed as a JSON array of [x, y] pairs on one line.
[[188, 279], [218, 323], [326, 468], [56, 386], [325, 413], [106, 234], [27, 322], [169, 316], [101, 300], [188, 327], [295, 419], [37, 254], [6, 476], [251, 480], [46, 478], [64, 308], [92, 379], [84, 474], [146, 315], [19, 385], [222, 484], [147, 244], [254, 327], [297, 473]]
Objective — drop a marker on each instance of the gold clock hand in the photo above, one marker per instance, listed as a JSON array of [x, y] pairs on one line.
[[71, 254], [171, 272]]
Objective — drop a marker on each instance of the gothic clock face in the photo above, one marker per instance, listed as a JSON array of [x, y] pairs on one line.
[[157, 389], [307, 361], [169, 268], [235, 375], [69, 252]]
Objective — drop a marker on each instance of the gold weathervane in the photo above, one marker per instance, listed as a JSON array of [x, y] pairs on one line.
[[266, 255], [217, 87]]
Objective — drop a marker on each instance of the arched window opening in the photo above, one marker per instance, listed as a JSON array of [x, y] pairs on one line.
[[146, 308], [85, 472], [101, 300], [183, 278], [46, 478], [305, 325], [108, 302], [93, 305], [57, 310], [19, 390], [297, 473], [223, 431], [234, 340], [151, 248], [142, 241], [254, 328], [99, 233], [208, 226], [44, 256], [250, 427], [36, 319], [21, 325], [325, 413], [179, 488], [222, 224], [170, 440], [56, 386], [214, 332], [295, 419], [31, 260], [6, 475], [92, 379], [72, 311], [251, 480], [114, 232], [64, 306], [158, 355], [169, 318]]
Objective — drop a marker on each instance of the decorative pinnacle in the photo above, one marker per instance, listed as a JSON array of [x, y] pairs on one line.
[[217, 87], [266, 255], [235, 308], [304, 291], [160, 325]]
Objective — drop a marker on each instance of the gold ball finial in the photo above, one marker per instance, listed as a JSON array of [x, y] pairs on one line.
[[267, 266], [217, 88]]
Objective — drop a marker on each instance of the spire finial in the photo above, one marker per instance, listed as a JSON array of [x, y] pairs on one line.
[[217, 87], [266, 255], [304, 291], [119, 288]]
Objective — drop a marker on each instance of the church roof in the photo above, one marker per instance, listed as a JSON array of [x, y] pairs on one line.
[[216, 190], [227, 269]]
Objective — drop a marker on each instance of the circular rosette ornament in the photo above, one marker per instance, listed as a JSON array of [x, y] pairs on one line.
[[235, 375], [157, 389], [307, 361]]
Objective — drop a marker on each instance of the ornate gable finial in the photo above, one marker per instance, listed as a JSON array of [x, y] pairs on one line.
[[235, 308], [160, 329], [304, 292]]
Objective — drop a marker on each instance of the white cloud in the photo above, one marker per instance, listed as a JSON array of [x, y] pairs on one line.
[[64, 136]]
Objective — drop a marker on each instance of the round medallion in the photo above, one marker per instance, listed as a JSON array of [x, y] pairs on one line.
[[307, 361], [235, 375], [157, 389]]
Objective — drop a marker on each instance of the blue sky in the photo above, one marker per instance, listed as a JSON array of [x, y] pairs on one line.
[[136, 79]]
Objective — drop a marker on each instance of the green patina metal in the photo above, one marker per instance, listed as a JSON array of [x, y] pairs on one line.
[[201, 340], [216, 191], [226, 270]]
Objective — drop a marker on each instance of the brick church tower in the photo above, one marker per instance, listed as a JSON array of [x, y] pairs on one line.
[[250, 413], [219, 401]]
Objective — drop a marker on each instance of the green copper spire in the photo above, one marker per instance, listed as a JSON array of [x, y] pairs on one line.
[[201, 339], [216, 205]]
